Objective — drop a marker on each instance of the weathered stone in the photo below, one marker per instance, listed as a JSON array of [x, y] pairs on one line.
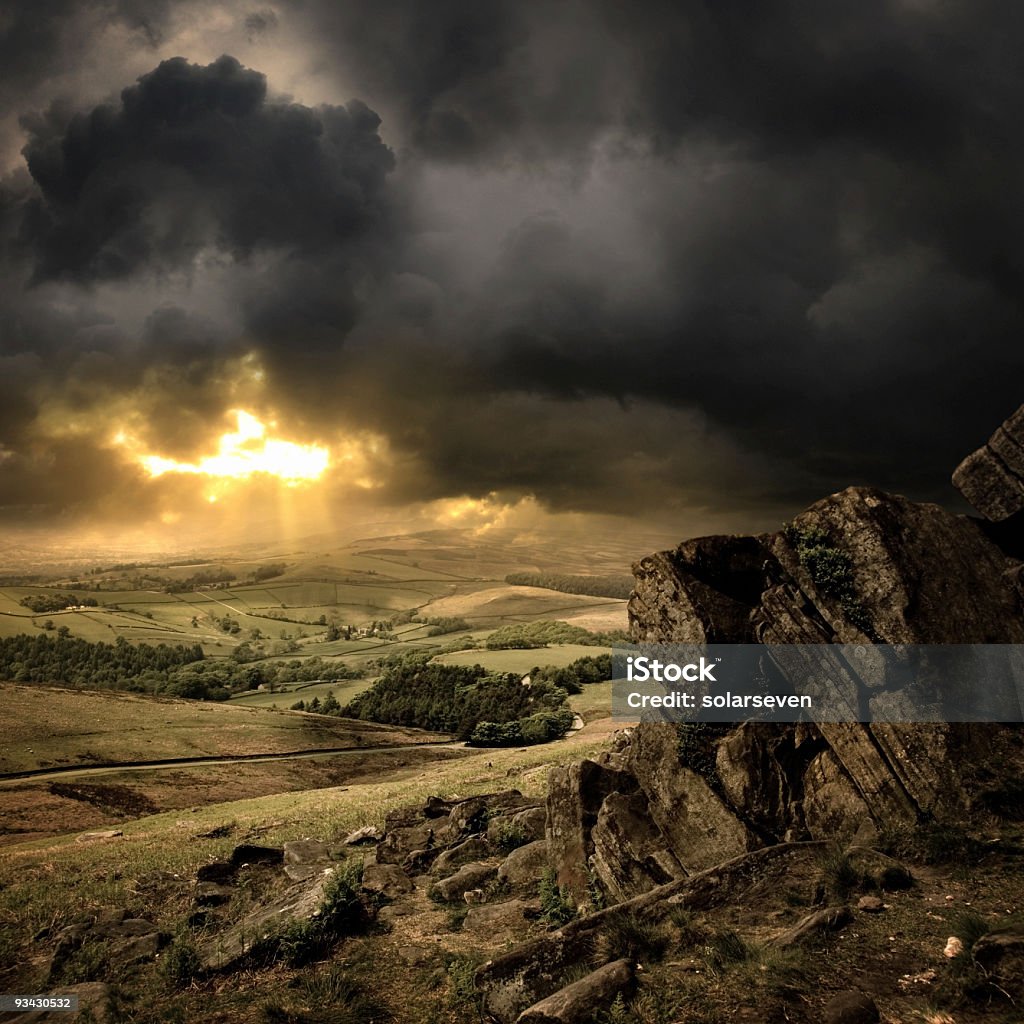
[[531, 821], [416, 956], [110, 833], [526, 825], [702, 592], [250, 853], [300, 902], [575, 795], [387, 880], [523, 866], [820, 922], [992, 478], [216, 871], [472, 849], [831, 805], [630, 852], [306, 851], [581, 1000], [95, 998], [870, 905], [211, 894], [500, 921], [400, 841], [469, 876], [851, 1008], [699, 828], [366, 835]]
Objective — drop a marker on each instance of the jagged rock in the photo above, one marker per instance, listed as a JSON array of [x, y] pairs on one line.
[[581, 1000], [250, 853], [699, 828], [1001, 954], [366, 835], [524, 865], [400, 841], [630, 852], [438, 807], [469, 876], [504, 921], [851, 1008], [829, 919], [472, 849], [300, 902], [575, 795], [831, 803], [992, 478], [702, 592], [387, 880]]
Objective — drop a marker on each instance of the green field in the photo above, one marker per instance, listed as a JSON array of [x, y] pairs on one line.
[[523, 661]]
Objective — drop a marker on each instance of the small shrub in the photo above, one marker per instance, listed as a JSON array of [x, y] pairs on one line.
[[725, 948], [462, 991], [933, 843], [631, 937], [180, 963], [556, 903], [839, 873], [327, 996], [455, 917], [510, 836]]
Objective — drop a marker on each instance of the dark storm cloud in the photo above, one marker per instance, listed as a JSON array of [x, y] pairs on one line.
[[192, 158], [712, 252]]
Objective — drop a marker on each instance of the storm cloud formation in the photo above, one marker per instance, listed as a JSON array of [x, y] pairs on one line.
[[644, 259]]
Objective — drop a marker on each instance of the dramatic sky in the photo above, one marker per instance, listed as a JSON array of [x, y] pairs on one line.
[[501, 261]]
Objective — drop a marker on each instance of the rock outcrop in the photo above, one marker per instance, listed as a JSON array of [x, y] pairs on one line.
[[860, 567]]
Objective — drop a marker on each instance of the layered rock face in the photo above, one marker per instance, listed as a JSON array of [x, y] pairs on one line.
[[858, 567]]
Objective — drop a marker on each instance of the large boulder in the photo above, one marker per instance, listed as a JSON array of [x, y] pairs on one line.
[[524, 866], [631, 854], [700, 829], [469, 876], [575, 795], [992, 478]]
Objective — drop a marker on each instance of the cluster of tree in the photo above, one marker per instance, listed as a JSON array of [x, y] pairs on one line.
[[440, 625], [229, 625], [207, 578], [527, 635], [65, 661], [541, 727], [582, 671], [56, 602], [269, 572], [328, 706], [592, 586], [458, 699]]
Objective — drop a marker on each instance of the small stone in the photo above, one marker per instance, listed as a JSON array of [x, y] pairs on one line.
[[110, 833], [365, 835], [870, 905], [954, 947], [386, 880], [851, 1008]]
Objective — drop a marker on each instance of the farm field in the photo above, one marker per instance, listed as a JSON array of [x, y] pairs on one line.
[[523, 660]]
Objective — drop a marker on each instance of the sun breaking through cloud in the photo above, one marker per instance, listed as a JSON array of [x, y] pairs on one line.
[[246, 452]]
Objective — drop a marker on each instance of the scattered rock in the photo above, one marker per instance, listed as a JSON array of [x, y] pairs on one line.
[[851, 1008], [386, 880], [870, 905], [472, 849], [469, 876], [581, 1000], [300, 902], [110, 833], [524, 866], [363, 836]]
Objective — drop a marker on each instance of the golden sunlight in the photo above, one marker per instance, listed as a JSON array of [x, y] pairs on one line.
[[248, 451]]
